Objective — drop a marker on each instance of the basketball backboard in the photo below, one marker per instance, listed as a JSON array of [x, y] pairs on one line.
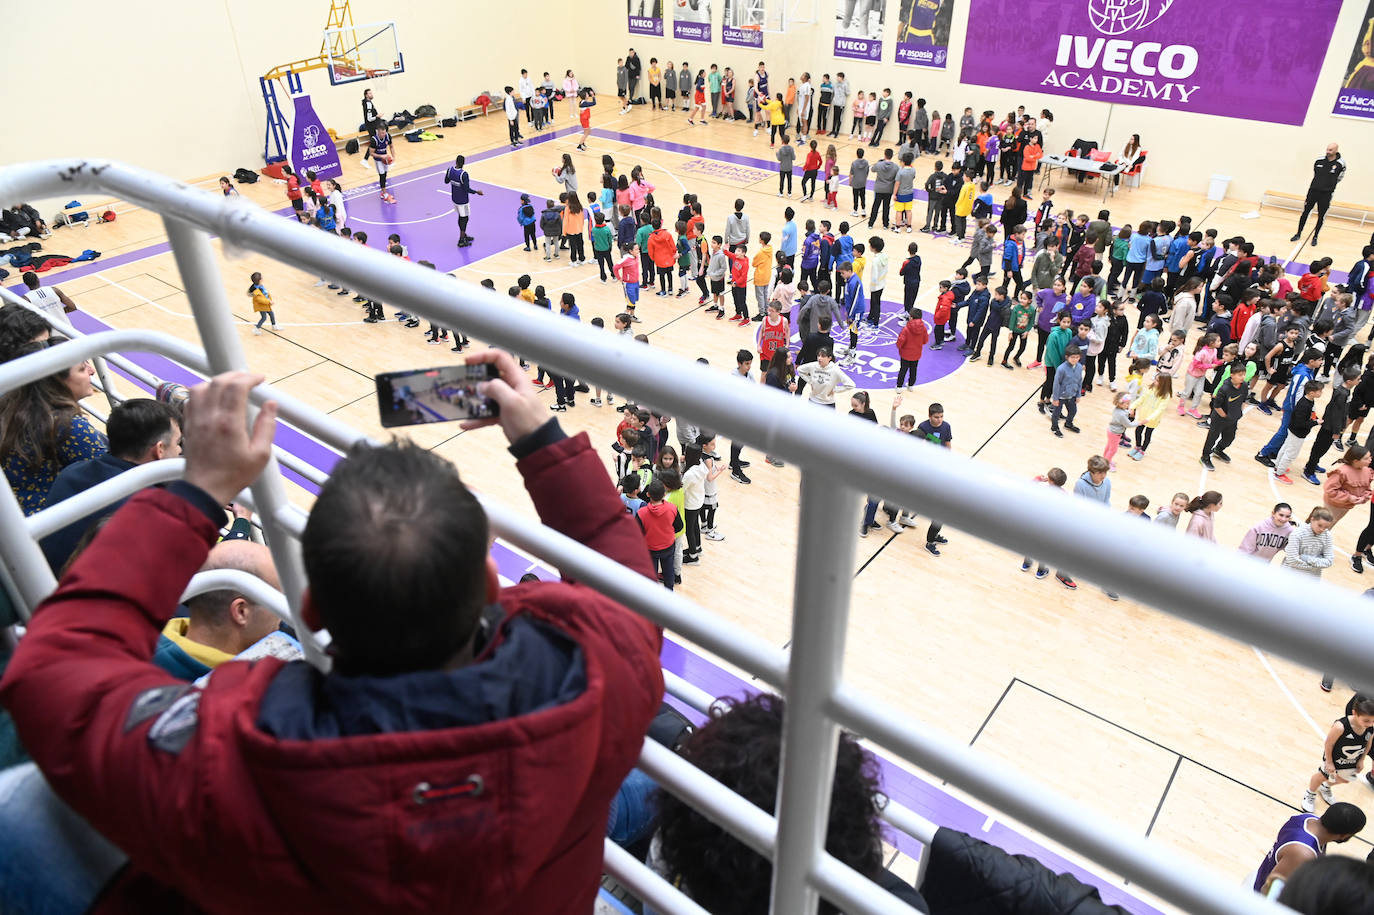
[[356, 53]]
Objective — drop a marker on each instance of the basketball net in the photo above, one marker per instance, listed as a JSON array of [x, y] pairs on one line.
[[376, 80]]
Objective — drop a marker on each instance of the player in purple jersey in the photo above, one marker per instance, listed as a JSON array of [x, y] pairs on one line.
[[1304, 838]]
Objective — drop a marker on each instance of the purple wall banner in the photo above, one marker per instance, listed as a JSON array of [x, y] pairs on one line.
[[646, 17], [692, 20], [743, 23], [1356, 98], [859, 29], [311, 146], [1174, 54], [923, 33]]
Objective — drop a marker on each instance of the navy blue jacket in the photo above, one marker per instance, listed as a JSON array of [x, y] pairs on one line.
[[77, 478]]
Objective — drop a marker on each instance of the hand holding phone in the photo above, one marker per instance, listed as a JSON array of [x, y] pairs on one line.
[[434, 395]]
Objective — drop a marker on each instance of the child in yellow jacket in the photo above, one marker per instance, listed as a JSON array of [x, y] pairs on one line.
[[262, 303]]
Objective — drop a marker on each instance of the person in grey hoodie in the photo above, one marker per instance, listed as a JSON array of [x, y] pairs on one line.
[[920, 124], [858, 183], [884, 182], [787, 158], [983, 248], [737, 226], [1068, 384], [1094, 485], [885, 106], [819, 303], [839, 103]]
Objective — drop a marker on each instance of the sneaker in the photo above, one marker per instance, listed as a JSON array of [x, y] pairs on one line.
[[908, 520], [932, 549], [333, 286], [595, 401], [690, 558], [1312, 478], [1207, 462], [1321, 469], [1265, 460], [1222, 456], [559, 408], [1041, 405], [343, 292], [713, 534], [257, 331], [1357, 563], [863, 530], [319, 282], [1041, 572], [1338, 444], [1034, 365], [1057, 433], [1136, 454], [1309, 802], [1351, 441], [895, 527], [1193, 413], [775, 462], [1072, 428], [1266, 408], [1026, 565], [1295, 238], [1066, 581], [1283, 478], [739, 477], [1112, 595], [432, 342], [1325, 791]]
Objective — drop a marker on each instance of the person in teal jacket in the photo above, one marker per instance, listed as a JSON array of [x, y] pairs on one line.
[[1055, 345]]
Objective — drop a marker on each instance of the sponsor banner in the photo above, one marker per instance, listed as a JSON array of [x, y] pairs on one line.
[[1173, 54], [692, 20], [1356, 98], [859, 29], [311, 146], [646, 17], [743, 23], [923, 33]]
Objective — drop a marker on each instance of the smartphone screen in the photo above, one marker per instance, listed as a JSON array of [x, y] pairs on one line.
[[434, 395]]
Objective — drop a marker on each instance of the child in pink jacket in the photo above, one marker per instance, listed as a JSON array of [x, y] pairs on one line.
[[1195, 378]]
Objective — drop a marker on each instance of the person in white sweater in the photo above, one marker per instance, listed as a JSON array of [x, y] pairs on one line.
[[824, 379], [1309, 547]]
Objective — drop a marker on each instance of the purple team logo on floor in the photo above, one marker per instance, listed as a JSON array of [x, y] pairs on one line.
[[875, 361]]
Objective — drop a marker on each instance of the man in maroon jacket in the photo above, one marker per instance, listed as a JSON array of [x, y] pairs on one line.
[[437, 768]]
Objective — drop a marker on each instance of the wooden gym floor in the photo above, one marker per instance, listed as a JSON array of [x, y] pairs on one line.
[[1204, 743]]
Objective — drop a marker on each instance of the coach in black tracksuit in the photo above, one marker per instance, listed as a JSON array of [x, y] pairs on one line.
[[1327, 172]]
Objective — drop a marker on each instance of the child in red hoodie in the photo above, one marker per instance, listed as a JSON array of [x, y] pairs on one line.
[[809, 170], [1313, 283], [943, 305], [909, 344], [739, 282]]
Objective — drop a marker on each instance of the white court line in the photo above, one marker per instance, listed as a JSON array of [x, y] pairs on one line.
[[987, 824], [176, 314], [1284, 688]]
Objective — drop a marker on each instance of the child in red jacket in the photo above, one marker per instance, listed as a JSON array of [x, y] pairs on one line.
[[739, 283], [1313, 283], [909, 344], [943, 305]]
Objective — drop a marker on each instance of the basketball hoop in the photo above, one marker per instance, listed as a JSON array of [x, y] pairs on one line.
[[377, 79]]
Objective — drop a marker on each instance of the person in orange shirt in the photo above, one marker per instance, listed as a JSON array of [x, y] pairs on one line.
[[663, 252], [1031, 154]]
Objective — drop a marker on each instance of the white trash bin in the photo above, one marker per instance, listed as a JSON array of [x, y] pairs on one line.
[[1216, 190]]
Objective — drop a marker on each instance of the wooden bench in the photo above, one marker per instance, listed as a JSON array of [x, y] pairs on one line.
[[1339, 209], [424, 123], [468, 112]]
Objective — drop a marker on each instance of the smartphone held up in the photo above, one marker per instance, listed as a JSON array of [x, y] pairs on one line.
[[435, 395]]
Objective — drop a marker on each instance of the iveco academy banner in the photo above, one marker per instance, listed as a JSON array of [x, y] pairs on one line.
[[859, 29], [646, 17], [743, 23], [692, 20], [1356, 98], [1187, 55], [922, 32], [312, 149]]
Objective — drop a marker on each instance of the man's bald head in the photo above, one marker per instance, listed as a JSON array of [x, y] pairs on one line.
[[1332, 150], [226, 619]]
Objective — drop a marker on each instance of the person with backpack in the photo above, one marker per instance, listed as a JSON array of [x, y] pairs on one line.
[[526, 216]]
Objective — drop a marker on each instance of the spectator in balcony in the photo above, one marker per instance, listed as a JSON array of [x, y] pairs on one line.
[[140, 431], [222, 624], [1330, 885], [740, 746], [20, 326], [43, 429], [428, 737]]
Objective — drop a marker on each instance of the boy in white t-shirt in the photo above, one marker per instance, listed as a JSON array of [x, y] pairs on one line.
[[50, 301]]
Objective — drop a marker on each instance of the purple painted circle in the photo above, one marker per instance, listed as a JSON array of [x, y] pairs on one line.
[[876, 361]]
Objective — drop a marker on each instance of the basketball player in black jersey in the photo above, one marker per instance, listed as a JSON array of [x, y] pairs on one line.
[[1347, 745]]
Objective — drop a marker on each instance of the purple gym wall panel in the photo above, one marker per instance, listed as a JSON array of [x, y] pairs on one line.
[[1184, 55], [922, 33], [692, 20], [311, 146], [742, 23], [1356, 98], [646, 17]]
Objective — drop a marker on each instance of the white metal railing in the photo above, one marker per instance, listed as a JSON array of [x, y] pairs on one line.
[[838, 458]]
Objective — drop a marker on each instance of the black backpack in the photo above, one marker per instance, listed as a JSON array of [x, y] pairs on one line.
[[670, 727], [351, 146], [245, 176], [425, 111]]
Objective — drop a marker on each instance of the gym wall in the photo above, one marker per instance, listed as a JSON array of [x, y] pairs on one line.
[[1185, 149], [176, 86]]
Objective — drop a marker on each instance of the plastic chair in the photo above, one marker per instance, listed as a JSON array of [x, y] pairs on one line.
[[1134, 172]]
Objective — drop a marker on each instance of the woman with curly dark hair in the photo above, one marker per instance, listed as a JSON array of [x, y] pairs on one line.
[[42, 429], [740, 746]]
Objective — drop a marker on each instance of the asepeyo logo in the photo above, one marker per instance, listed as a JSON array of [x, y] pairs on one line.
[[1117, 17]]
